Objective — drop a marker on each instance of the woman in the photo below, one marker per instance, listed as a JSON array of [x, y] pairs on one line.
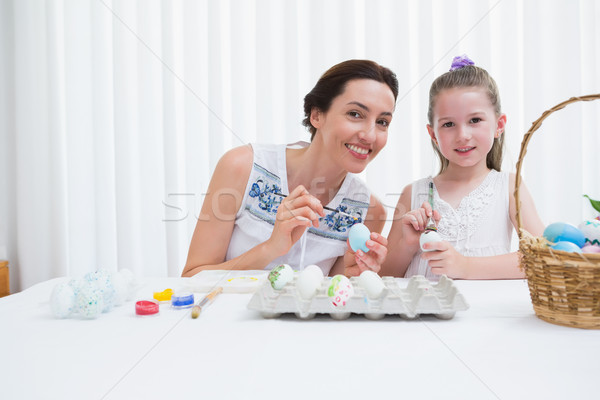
[[262, 199]]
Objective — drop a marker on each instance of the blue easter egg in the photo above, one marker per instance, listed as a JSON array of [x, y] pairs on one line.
[[358, 236], [561, 231], [566, 246]]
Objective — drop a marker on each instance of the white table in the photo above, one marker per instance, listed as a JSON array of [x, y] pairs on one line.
[[498, 349]]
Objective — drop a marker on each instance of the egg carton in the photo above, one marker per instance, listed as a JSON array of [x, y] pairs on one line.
[[420, 296]]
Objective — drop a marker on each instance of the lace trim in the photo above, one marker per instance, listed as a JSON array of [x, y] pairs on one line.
[[459, 224]]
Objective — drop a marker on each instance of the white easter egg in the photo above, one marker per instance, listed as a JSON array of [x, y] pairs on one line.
[[280, 276], [340, 290], [62, 300], [372, 283], [591, 231], [429, 236], [308, 282]]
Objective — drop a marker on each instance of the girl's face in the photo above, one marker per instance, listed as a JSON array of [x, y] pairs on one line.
[[355, 127], [465, 125]]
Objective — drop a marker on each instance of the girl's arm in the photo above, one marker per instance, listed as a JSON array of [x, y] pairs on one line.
[[353, 264], [226, 190], [448, 261], [403, 238]]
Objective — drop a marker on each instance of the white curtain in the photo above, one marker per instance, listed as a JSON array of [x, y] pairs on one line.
[[113, 114]]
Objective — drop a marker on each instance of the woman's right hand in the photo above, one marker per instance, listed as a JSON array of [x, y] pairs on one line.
[[415, 221], [296, 213]]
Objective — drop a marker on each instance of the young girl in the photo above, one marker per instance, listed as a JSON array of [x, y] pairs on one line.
[[263, 198], [473, 201]]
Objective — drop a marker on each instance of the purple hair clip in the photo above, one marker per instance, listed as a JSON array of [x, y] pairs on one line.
[[461, 61]]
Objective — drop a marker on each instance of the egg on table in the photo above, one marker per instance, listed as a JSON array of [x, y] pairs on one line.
[[280, 276], [372, 283], [358, 236], [340, 290], [308, 282], [62, 300]]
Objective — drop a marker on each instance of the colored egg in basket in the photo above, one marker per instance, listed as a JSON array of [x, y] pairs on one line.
[[563, 232], [566, 246], [591, 231]]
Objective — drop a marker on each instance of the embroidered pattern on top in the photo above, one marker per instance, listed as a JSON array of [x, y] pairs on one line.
[[263, 203], [463, 222]]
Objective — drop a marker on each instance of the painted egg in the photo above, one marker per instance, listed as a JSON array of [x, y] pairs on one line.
[[566, 246], [280, 276], [563, 232], [62, 300], [102, 279], [309, 280], [358, 236], [591, 231], [88, 302], [340, 290], [429, 236], [372, 283], [590, 248]]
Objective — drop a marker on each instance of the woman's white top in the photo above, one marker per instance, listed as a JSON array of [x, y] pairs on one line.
[[256, 217], [480, 226]]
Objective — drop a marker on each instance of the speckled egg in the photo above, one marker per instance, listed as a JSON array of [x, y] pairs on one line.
[[280, 276], [62, 300], [358, 236], [89, 301], [340, 290], [102, 279]]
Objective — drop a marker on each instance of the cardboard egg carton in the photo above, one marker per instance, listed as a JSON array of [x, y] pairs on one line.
[[419, 296]]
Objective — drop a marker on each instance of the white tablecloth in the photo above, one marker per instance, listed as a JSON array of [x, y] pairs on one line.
[[498, 349]]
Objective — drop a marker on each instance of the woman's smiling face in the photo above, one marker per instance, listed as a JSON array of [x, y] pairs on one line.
[[355, 127]]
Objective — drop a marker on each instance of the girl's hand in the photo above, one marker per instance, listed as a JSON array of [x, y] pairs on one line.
[[445, 260], [415, 221], [356, 263], [298, 211]]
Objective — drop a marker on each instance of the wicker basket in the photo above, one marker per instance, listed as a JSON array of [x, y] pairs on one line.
[[564, 287]]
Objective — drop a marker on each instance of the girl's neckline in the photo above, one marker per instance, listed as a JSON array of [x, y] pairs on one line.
[[484, 183]]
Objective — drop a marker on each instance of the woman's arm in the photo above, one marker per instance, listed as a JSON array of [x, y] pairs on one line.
[[214, 229]]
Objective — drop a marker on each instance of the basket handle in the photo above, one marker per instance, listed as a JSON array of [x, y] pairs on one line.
[[527, 138]]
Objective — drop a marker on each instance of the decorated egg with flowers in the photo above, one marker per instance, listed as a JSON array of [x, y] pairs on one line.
[[340, 290], [280, 276]]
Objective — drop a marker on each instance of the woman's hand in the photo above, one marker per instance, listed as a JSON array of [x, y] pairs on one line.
[[356, 263], [445, 260], [297, 212]]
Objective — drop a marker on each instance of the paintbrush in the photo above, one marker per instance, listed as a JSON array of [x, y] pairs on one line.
[[326, 208], [431, 226], [208, 298]]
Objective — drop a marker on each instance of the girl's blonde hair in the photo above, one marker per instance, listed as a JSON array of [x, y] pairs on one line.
[[468, 76]]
